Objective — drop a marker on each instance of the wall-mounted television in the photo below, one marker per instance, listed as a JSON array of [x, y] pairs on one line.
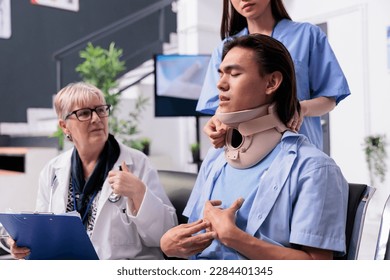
[[178, 83]]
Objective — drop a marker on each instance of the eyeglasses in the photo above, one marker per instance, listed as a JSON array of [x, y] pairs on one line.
[[85, 114]]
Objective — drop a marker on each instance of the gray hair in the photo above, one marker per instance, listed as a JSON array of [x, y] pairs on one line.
[[75, 94]]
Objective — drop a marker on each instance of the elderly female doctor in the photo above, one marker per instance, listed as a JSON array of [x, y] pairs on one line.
[[114, 188]]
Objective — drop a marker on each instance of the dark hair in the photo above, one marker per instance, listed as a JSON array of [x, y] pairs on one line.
[[233, 22], [271, 56]]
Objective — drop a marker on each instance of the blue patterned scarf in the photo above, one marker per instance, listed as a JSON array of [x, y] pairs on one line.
[[84, 191]]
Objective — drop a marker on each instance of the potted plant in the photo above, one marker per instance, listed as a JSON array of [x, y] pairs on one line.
[[128, 128], [145, 141], [195, 151], [375, 151], [59, 134], [101, 68], [142, 144]]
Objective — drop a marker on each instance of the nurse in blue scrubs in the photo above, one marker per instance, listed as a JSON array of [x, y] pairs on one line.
[[321, 84]]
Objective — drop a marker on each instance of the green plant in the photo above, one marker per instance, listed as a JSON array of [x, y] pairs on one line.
[[146, 145], [375, 151], [129, 127], [135, 144], [101, 68], [195, 150], [59, 134], [142, 144], [194, 147], [145, 141]]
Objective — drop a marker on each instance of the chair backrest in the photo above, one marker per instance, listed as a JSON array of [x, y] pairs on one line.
[[358, 198], [178, 186], [383, 244]]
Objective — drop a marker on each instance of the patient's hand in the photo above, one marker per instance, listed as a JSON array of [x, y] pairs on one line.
[[17, 252], [185, 240], [216, 132], [222, 221]]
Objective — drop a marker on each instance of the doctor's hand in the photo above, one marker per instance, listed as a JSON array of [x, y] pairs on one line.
[[222, 221], [17, 252], [185, 240], [127, 184], [216, 132]]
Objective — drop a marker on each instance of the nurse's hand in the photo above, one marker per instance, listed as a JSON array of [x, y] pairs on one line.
[[185, 240], [216, 132], [296, 122], [17, 252]]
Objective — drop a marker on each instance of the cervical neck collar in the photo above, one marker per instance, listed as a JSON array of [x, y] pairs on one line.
[[251, 135]]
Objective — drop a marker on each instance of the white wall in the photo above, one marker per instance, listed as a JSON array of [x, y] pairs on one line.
[[198, 32], [198, 25]]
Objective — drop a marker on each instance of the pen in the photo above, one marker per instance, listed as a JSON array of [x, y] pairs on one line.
[[51, 192]]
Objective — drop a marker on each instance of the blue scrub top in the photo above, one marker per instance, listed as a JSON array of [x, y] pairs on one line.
[[317, 70], [300, 201], [228, 188]]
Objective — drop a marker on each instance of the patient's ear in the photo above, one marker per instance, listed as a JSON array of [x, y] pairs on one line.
[[274, 81]]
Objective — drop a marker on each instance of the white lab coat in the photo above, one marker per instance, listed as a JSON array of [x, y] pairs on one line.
[[116, 234]]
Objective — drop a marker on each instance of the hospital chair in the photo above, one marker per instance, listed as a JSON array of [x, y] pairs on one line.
[[383, 243], [359, 196], [178, 186]]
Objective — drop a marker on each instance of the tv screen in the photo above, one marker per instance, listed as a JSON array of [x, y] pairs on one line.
[[178, 83]]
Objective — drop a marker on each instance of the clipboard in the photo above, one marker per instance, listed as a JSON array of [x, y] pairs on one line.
[[50, 236]]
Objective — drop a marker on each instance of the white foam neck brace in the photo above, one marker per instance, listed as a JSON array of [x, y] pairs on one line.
[[251, 135]]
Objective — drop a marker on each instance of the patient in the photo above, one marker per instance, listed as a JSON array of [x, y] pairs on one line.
[[269, 194]]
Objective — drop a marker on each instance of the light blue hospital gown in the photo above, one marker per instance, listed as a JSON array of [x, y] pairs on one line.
[[296, 196], [317, 70]]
